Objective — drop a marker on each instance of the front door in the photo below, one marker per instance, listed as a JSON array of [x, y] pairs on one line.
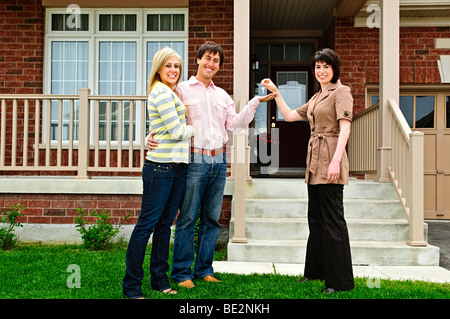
[[295, 83]]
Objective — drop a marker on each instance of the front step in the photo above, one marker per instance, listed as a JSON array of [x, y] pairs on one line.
[[363, 253], [277, 227], [297, 229]]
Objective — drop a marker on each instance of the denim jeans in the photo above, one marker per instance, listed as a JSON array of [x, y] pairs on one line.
[[205, 184], [163, 188]]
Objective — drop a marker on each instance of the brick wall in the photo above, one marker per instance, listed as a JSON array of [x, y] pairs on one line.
[[21, 46], [62, 209], [359, 51], [212, 20]]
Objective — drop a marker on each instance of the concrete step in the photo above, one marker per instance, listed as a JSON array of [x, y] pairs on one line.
[[296, 188], [297, 229], [363, 253], [298, 208]]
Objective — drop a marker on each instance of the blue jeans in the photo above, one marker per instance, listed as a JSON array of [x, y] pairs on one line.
[[163, 188], [205, 184]]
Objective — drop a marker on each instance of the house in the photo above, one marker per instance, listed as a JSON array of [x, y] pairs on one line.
[[74, 78]]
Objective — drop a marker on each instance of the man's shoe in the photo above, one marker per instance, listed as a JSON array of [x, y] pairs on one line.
[[211, 279], [187, 284]]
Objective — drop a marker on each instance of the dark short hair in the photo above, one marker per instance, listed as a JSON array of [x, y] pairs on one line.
[[212, 47], [329, 57]]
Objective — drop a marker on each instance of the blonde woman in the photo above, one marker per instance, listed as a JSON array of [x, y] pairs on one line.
[[163, 175]]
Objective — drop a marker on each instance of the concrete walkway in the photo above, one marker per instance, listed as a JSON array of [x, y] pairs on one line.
[[431, 274]]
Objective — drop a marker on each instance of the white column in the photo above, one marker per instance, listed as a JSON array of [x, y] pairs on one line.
[[389, 79], [240, 149], [241, 51]]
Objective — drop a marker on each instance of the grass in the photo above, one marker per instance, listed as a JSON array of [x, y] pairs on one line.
[[40, 272]]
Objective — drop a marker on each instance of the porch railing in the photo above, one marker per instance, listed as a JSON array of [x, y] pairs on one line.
[[406, 169], [32, 139]]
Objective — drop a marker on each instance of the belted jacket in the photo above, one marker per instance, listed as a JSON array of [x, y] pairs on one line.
[[323, 112]]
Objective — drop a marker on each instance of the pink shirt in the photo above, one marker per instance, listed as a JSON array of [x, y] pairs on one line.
[[212, 112]]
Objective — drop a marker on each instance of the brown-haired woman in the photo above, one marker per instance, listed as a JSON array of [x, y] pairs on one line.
[[329, 113]]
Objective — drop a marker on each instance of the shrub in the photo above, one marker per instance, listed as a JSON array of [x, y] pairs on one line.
[[97, 236], [8, 239]]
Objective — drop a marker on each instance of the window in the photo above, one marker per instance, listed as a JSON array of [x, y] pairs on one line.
[[110, 52], [418, 110]]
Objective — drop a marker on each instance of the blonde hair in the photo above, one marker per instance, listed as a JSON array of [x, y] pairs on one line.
[[159, 60]]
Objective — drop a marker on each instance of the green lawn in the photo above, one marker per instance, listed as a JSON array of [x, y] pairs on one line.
[[41, 272]]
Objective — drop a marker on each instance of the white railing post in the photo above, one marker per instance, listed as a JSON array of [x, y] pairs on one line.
[[389, 80], [416, 200], [240, 168], [83, 134]]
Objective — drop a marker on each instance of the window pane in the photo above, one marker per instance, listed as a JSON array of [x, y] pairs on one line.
[[113, 66], [130, 22], [117, 76], [105, 22], [294, 87], [448, 112], [425, 112], [166, 22], [262, 52], [117, 22], [152, 22], [69, 73], [307, 52], [178, 22], [277, 53], [407, 106], [70, 22], [374, 100], [292, 53]]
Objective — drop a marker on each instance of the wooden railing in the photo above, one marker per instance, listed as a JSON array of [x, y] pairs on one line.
[[406, 169], [363, 141], [406, 172], [27, 144]]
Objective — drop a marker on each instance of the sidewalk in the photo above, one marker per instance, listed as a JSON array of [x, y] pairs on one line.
[[424, 273]]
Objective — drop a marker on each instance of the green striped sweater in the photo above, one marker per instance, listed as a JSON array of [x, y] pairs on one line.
[[167, 116]]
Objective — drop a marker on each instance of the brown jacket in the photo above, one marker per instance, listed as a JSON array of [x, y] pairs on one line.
[[323, 112]]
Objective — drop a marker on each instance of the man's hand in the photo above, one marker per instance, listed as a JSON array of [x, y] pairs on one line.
[[151, 142], [267, 98]]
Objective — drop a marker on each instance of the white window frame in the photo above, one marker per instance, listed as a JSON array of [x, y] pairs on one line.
[[94, 36]]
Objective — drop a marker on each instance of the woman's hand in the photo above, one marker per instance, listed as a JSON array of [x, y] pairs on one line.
[[334, 171], [270, 86]]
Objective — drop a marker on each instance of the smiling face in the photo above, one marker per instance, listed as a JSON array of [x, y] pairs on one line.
[[208, 66], [324, 73], [170, 72]]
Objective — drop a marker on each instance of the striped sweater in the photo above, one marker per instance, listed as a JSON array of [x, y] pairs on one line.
[[167, 116]]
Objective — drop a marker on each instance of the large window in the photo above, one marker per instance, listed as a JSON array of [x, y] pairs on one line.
[[110, 52], [418, 109]]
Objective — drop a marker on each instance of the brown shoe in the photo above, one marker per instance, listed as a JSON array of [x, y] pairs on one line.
[[187, 284], [211, 279]]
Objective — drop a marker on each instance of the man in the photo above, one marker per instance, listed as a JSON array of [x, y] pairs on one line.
[[212, 112]]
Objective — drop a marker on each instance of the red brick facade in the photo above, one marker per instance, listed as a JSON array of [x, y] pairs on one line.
[[212, 20], [62, 209], [21, 46]]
